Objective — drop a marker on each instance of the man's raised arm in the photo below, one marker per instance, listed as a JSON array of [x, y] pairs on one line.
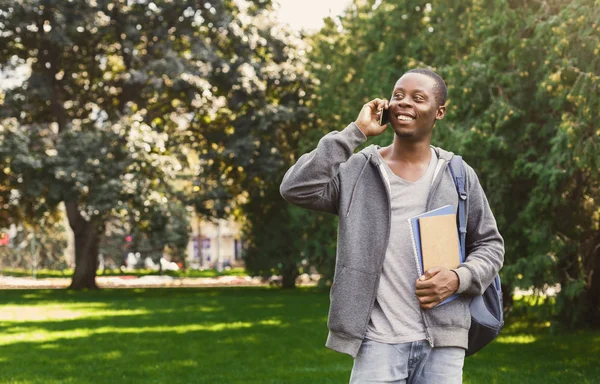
[[313, 182]]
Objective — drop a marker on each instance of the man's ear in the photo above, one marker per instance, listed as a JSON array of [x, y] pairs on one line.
[[440, 113]]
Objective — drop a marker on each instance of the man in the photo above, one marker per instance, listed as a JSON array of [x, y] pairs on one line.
[[382, 312]]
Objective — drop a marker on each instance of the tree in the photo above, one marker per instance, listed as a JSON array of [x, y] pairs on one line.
[[99, 114], [138, 84], [263, 91]]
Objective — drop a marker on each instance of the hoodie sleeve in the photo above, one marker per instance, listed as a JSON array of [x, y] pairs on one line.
[[484, 244], [313, 182]]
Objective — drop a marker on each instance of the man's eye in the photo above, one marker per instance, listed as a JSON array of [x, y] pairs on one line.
[[398, 95]]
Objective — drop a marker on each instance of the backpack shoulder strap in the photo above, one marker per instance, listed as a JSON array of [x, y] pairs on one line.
[[458, 171]]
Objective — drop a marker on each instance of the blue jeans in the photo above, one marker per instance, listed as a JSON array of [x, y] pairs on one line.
[[407, 363]]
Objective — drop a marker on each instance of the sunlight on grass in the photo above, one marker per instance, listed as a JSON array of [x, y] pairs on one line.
[[234, 335], [516, 339], [112, 355], [208, 309], [188, 363], [50, 346], [33, 296], [37, 335], [270, 322], [56, 312]]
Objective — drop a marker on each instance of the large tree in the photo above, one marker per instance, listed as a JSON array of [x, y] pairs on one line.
[[99, 114], [119, 88]]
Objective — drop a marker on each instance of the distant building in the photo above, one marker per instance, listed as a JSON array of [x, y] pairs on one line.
[[216, 242], [210, 242]]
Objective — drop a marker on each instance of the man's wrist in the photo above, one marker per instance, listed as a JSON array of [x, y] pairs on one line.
[[456, 281], [464, 278], [362, 129]]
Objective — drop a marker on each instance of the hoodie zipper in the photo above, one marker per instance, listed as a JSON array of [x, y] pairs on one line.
[[435, 184], [389, 199], [387, 239]]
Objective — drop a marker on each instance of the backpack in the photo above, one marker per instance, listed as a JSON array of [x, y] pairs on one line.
[[487, 318]]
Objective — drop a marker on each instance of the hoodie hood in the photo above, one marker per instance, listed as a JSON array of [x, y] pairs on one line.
[[370, 153]]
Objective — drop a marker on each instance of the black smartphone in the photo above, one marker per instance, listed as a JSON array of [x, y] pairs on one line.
[[384, 118]]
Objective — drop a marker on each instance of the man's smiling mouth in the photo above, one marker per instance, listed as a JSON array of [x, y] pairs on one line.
[[403, 117]]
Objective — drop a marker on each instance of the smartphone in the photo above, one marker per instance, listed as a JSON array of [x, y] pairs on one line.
[[384, 118]]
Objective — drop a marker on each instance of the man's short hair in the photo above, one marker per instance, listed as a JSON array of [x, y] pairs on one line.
[[440, 91]]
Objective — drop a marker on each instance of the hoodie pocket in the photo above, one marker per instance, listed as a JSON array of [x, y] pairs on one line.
[[454, 314], [351, 298]]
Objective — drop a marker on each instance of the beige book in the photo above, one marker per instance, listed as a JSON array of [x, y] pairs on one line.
[[439, 241]]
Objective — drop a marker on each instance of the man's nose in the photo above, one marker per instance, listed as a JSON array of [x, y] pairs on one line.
[[405, 103]]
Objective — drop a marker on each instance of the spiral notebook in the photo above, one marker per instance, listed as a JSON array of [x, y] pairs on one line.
[[435, 240]]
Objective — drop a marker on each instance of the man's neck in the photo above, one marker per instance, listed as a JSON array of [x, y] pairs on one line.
[[410, 152]]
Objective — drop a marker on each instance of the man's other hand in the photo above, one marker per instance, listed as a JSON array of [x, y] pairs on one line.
[[368, 118], [435, 286]]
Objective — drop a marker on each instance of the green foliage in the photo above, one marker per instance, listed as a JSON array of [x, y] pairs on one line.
[[125, 96], [246, 133], [523, 81], [103, 120]]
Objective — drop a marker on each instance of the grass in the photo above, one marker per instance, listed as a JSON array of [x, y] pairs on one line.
[[48, 273], [232, 335]]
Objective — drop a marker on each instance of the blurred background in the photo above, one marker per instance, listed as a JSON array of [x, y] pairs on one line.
[[142, 144]]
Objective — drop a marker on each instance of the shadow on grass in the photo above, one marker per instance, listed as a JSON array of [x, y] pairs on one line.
[[231, 335], [528, 352], [174, 336]]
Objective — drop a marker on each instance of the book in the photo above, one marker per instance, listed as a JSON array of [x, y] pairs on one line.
[[435, 240]]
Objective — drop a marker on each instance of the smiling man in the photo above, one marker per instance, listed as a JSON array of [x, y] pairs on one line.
[[382, 312]]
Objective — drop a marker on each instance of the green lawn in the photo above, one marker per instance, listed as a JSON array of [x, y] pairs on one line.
[[230, 335]]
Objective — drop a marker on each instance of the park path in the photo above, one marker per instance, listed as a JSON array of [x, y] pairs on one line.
[[129, 281]]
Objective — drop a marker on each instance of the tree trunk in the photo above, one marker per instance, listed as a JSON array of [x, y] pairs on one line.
[[289, 273], [507, 298], [87, 238], [593, 293]]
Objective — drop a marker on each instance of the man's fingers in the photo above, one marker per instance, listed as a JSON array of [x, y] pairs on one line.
[[430, 273], [429, 301], [425, 292], [423, 284], [377, 105], [429, 305]]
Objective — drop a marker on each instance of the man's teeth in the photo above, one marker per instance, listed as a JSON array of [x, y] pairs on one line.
[[404, 118]]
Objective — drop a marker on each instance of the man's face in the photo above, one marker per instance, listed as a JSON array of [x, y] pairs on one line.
[[413, 108]]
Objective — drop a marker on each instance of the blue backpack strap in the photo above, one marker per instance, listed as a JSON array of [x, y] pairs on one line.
[[487, 317], [457, 169]]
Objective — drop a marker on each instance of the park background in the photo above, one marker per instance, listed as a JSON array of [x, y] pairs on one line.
[[129, 123]]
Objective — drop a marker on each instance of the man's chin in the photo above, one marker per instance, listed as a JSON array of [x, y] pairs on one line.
[[404, 134]]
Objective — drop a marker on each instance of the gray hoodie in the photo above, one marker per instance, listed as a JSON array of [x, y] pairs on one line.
[[333, 179]]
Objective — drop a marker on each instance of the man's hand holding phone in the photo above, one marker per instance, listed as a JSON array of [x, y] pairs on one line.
[[370, 120]]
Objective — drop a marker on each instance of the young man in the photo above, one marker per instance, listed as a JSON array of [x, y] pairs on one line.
[[382, 312]]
